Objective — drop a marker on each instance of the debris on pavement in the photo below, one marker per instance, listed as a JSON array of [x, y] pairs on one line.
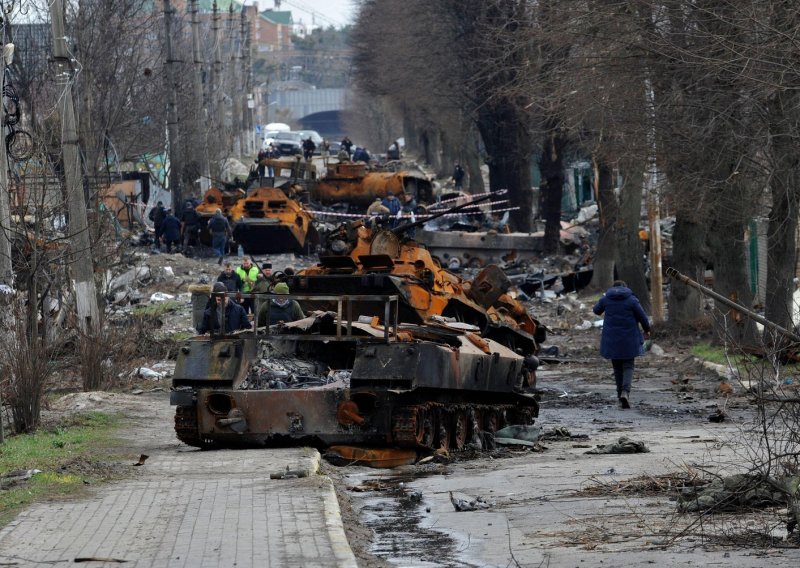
[[623, 446], [371, 457], [288, 474], [734, 493], [524, 432], [467, 503]]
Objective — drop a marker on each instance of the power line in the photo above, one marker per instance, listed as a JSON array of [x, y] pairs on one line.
[[317, 15]]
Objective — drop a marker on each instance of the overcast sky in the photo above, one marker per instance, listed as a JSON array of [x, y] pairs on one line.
[[327, 12]]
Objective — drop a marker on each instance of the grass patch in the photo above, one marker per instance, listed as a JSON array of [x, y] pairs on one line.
[[179, 336], [158, 309], [716, 354], [67, 456], [739, 361]]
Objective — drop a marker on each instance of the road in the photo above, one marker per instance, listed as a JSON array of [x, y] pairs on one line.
[[538, 515], [555, 507]]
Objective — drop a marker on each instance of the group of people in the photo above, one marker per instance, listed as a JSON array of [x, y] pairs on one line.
[[174, 231], [390, 207], [243, 282], [263, 167]]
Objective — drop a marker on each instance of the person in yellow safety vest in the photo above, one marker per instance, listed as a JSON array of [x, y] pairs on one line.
[[248, 273]]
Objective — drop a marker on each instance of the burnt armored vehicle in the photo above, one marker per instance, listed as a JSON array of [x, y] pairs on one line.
[[395, 352]]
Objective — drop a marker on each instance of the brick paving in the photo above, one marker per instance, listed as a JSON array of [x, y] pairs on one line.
[[192, 509]]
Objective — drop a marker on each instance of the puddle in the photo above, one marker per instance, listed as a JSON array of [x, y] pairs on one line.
[[397, 517]]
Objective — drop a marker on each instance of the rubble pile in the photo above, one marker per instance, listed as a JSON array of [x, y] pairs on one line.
[[275, 371]]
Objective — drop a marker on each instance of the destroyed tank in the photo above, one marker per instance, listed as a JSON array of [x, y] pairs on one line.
[[354, 184], [269, 220], [398, 353]]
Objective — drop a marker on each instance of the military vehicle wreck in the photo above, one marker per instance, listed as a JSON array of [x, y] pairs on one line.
[[355, 185], [396, 352], [269, 220]]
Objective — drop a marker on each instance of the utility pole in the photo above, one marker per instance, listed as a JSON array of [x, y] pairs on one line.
[[234, 50], [245, 127], [6, 268], [175, 165], [219, 106], [80, 245], [201, 108]]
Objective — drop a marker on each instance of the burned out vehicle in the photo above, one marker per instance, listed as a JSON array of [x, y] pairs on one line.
[[269, 220], [355, 185], [395, 351]]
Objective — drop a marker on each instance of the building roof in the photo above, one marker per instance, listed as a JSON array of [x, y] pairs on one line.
[[284, 17], [222, 5]]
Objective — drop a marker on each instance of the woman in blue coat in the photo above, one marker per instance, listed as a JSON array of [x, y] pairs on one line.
[[622, 341]]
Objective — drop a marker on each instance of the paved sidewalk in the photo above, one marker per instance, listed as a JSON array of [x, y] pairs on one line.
[[192, 509]]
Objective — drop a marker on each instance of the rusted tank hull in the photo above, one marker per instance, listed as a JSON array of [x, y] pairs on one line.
[[268, 221], [274, 237], [355, 185], [411, 393]]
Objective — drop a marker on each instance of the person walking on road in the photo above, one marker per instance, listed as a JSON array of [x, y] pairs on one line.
[[171, 231], [190, 227], [458, 176], [157, 216], [622, 341], [220, 230]]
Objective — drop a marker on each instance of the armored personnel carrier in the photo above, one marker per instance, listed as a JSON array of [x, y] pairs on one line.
[[268, 220], [355, 184], [394, 351]]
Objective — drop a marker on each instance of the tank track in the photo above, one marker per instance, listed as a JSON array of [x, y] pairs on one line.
[[186, 428], [436, 426]]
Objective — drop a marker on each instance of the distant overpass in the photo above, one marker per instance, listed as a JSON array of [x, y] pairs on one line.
[[313, 109]]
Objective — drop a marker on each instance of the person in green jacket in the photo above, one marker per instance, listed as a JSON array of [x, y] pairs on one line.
[[248, 272], [280, 309]]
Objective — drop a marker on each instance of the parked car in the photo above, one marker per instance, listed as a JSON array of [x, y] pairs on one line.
[[288, 143], [314, 135], [269, 138]]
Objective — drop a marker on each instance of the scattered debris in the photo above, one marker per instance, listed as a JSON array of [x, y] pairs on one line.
[[733, 493], [517, 432], [371, 457], [645, 485], [149, 374], [468, 503], [289, 474], [161, 297], [623, 446]]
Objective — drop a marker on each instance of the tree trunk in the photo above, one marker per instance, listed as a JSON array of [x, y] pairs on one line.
[[551, 188], [782, 229], [727, 246], [688, 257], [630, 252], [472, 163], [608, 210]]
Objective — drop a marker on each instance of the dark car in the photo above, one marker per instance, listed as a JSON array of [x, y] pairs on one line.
[[288, 143]]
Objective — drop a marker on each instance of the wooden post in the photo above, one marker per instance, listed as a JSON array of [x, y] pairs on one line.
[[656, 278]]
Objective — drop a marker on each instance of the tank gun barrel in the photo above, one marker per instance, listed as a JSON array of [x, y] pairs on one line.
[[403, 228], [674, 274]]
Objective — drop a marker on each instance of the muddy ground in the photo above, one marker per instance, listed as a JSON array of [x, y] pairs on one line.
[[556, 505]]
